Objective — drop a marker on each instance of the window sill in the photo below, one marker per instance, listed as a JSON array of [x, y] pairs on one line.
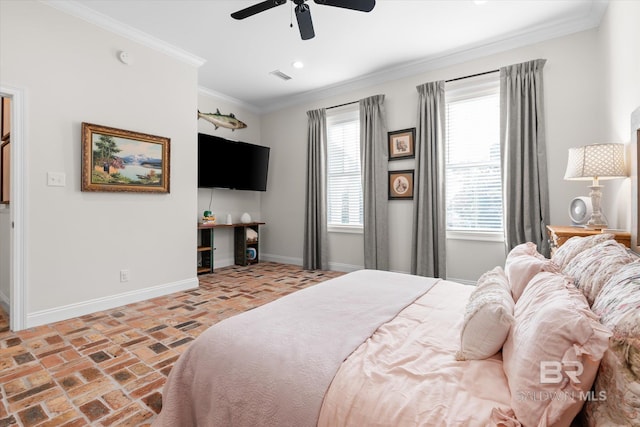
[[483, 236], [350, 229]]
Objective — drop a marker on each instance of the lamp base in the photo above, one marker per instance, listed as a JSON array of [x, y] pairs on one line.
[[597, 221]]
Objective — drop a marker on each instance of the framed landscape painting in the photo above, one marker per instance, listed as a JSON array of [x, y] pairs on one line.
[[121, 160]]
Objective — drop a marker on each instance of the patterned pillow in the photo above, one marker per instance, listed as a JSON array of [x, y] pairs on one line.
[[575, 245], [617, 387], [552, 352], [524, 262], [592, 268], [488, 317]]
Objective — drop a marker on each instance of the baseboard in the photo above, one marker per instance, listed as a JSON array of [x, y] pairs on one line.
[[333, 266], [281, 259], [65, 312], [345, 268]]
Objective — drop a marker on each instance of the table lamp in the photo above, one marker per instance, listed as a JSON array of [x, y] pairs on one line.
[[596, 162]]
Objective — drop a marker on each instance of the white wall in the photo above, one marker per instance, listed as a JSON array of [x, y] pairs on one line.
[[619, 46], [222, 201], [574, 117], [77, 242]]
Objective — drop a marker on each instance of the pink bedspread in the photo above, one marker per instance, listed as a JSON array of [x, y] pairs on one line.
[[406, 374], [272, 366]]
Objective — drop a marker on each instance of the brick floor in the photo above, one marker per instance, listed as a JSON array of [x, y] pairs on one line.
[[108, 368]]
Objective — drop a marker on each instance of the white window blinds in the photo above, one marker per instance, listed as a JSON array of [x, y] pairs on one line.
[[473, 178], [344, 181]]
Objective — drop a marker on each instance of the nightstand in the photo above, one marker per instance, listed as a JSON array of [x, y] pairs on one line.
[[558, 234]]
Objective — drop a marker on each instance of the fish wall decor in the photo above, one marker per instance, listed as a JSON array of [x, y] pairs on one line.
[[228, 121]]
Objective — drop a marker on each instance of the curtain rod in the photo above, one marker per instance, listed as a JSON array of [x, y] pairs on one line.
[[472, 75], [446, 81], [342, 105]]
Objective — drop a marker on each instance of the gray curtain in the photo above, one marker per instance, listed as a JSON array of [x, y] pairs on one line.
[[373, 149], [315, 225], [428, 255], [524, 157]]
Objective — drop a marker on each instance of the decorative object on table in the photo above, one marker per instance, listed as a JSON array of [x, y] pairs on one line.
[[245, 218], [401, 144], [401, 184], [229, 220], [596, 162], [303, 12], [580, 210], [218, 119], [252, 254], [121, 160], [208, 217], [252, 235]]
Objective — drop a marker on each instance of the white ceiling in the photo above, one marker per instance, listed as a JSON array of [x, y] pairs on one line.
[[399, 37]]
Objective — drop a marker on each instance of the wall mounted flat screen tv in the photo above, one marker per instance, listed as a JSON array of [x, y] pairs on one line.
[[223, 163]]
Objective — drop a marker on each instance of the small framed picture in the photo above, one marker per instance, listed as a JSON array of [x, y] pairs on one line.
[[401, 144], [401, 185]]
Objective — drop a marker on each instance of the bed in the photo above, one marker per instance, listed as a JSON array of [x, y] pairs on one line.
[[372, 348]]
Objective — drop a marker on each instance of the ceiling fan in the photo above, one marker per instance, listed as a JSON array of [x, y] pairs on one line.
[[303, 13]]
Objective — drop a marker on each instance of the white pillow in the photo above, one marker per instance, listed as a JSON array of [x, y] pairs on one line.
[[488, 317]]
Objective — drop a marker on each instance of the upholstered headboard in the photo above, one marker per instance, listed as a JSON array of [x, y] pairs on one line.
[[635, 188]]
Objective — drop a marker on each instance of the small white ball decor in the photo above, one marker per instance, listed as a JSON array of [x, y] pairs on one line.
[[245, 218]]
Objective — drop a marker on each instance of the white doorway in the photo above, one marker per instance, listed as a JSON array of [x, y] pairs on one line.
[[15, 224]]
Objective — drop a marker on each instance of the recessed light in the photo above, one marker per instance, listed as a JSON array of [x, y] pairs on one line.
[[297, 64]]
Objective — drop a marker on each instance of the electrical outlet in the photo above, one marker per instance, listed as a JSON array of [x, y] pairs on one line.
[[124, 275], [56, 179]]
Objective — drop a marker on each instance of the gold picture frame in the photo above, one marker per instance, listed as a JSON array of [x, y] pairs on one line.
[[401, 185], [402, 144], [121, 160]]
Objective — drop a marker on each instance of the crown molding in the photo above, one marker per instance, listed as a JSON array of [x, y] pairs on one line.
[[75, 8], [218, 95], [454, 57]]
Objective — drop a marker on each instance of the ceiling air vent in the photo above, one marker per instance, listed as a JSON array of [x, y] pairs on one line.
[[280, 74]]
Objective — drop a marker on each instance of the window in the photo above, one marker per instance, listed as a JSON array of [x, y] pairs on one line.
[[472, 157], [344, 181]]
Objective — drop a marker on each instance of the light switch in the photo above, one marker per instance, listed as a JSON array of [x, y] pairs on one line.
[[56, 179]]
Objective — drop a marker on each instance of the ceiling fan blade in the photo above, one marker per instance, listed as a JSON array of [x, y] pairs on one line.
[[360, 5], [303, 14], [257, 8]]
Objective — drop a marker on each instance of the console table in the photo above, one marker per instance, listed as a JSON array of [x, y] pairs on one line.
[[246, 251]]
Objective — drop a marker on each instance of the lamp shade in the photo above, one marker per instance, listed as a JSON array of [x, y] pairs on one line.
[[599, 161]]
